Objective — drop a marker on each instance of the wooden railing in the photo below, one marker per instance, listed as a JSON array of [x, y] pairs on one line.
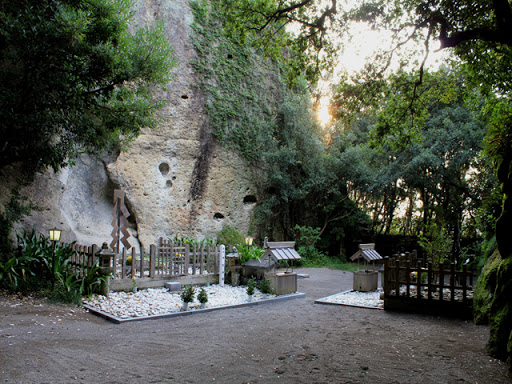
[[168, 259], [416, 283], [83, 257]]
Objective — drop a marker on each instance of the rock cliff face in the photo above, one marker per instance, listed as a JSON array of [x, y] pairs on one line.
[[177, 179]]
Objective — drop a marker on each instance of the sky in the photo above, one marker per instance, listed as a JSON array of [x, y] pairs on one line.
[[357, 51]]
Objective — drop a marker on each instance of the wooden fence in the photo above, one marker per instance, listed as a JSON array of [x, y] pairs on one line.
[[413, 285], [167, 260], [83, 257]]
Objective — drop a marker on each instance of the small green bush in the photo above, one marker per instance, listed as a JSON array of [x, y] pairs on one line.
[[265, 286], [202, 296], [249, 252], [230, 236], [187, 294], [251, 286]]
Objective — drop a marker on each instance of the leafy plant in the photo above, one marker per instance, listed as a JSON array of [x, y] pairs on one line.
[[92, 279], [265, 286], [35, 248], [437, 244], [191, 241], [57, 259], [63, 295], [251, 286], [230, 236], [13, 269], [16, 208], [202, 296], [249, 252], [187, 294], [90, 84], [311, 256]]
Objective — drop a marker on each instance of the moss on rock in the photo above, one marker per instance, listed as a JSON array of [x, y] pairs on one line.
[[500, 315], [485, 288]]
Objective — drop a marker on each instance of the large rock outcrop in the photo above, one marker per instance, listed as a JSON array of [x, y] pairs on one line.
[[177, 179]]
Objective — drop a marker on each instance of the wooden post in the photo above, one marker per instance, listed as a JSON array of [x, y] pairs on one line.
[[201, 259], [133, 262], [115, 260], [418, 279], [441, 281], [152, 260], [222, 264], [187, 259], [172, 260], [385, 283], [209, 266], [464, 284], [397, 277], [408, 277], [452, 282], [429, 281], [141, 273], [94, 249], [123, 264]]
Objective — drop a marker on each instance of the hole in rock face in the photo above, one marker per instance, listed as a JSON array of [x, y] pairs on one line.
[[184, 97], [218, 216], [164, 168], [250, 199], [168, 183]]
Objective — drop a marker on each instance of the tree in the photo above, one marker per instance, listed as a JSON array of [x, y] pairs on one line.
[[74, 78], [480, 33], [304, 49]]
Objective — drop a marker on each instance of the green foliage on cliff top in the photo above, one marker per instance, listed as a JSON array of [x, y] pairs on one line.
[[242, 88], [74, 78]]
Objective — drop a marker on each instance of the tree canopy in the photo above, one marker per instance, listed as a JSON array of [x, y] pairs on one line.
[[480, 35], [75, 77]]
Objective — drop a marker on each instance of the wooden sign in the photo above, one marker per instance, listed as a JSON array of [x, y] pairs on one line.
[[119, 222]]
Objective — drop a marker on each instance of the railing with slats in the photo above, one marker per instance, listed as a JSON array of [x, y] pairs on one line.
[[168, 259], [418, 284]]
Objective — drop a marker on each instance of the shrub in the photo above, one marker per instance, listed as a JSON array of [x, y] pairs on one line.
[[311, 256], [251, 286], [265, 286], [188, 293], [249, 252], [202, 296], [230, 236], [437, 243]]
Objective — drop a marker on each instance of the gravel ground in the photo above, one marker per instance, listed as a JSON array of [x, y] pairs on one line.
[[150, 302], [354, 298], [294, 341]]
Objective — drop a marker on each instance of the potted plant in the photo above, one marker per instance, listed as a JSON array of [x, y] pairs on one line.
[[187, 296], [251, 285], [202, 297], [265, 287]]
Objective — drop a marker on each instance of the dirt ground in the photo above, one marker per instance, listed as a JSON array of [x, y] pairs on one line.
[[295, 341]]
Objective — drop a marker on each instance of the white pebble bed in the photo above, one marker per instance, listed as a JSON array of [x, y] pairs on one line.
[[160, 301], [362, 299]]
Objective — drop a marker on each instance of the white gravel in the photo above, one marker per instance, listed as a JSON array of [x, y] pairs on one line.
[[360, 299], [160, 301]]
